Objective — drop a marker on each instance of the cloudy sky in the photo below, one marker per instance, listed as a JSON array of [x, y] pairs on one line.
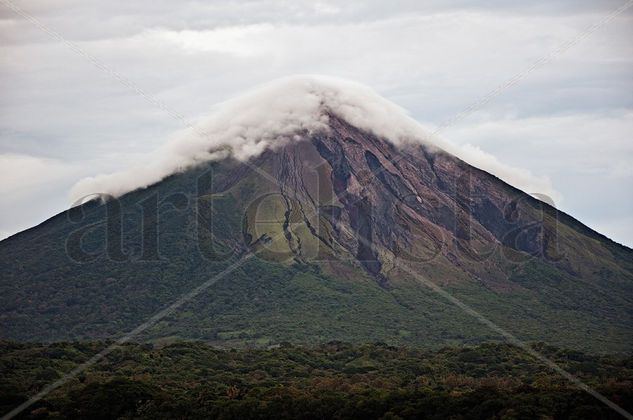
[[65, 116]]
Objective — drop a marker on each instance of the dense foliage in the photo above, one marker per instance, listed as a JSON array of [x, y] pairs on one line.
[[334, 380]]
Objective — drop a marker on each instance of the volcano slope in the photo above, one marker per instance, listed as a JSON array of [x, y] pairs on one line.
[[348, 237]]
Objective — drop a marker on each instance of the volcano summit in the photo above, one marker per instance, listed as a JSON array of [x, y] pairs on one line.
[[349, 211]]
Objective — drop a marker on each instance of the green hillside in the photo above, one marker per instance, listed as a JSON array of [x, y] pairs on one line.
[[45, 296]]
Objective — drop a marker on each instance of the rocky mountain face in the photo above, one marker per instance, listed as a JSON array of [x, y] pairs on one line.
[[347, 231], [347, 194]]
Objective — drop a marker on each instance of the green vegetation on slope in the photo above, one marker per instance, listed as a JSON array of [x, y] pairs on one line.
[[45, 296]]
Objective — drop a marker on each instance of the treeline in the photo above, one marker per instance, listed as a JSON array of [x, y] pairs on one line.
[[334, 380]]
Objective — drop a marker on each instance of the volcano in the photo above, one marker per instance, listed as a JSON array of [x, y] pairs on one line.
[[350, 226]]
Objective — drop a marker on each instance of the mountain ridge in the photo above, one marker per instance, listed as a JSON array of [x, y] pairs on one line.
[[100, 269], [274, 114]]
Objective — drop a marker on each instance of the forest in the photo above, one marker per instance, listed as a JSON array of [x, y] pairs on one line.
[[192, 379]]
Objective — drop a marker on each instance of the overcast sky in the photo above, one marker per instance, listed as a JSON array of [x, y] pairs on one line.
[[63, 118]]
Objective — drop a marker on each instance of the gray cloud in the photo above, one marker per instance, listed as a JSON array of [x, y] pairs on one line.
[[432, 59]]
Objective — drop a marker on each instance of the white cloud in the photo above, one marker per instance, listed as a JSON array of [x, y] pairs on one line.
[[588, 155], [234, 40], [32, 189], [20, 173], [433, 58], [578, 144], [281, 111]]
